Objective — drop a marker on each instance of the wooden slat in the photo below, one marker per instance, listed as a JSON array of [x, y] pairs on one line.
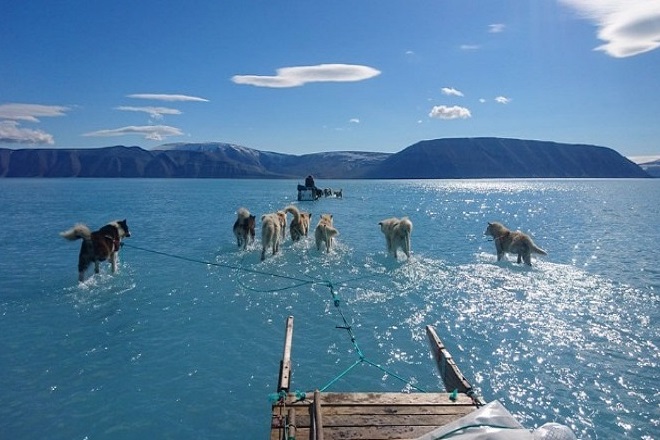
[[370, 433], [317, 416], [400, 410], [364, 420], [285, 365], [449, 372], [393, 399]]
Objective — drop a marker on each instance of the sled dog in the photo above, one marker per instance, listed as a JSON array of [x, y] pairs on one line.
[[325, 232], [98, 246], [397, 234], [272, 226], [513, 242], [244, 227], [299, 226]]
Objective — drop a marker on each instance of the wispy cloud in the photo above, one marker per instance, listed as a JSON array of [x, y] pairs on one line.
[[445, 112], [31, 112], [166, 97], [154, 112], [502, 100], [470, 47], [301, 75], [354, 121], [451, 91], [149, 132], [496, 28], [629, 27], [12, 133]]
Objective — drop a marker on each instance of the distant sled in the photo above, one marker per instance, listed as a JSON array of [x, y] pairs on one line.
[[307, 193]]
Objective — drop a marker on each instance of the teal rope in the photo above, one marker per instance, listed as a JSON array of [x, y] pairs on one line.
[[361, 355]]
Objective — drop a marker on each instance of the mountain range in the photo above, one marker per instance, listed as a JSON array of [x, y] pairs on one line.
[[430, 159]]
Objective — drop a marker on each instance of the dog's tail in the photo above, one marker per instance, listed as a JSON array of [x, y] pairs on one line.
[[78, 231], [243, 213], [294, 211], [329, 231], [537, 249]]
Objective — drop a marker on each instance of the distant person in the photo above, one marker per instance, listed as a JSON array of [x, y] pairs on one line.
[[309, 182]]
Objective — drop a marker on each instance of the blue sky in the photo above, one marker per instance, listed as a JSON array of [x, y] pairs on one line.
[[302, 77]]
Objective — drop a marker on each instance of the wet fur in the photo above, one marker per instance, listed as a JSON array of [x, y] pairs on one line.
[[299, 226], [244, 227], [397, 234], [98, 246], [273, 228], [513, 242], [325, 232]]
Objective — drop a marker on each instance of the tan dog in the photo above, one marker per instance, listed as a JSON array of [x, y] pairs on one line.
[[98, 246], [397, 234], [299, 226], [272, 226], [244, 227], [513, 242], [325, 232]]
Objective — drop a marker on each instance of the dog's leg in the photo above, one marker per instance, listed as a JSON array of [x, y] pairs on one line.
[[113, 262], [96, 266], [519, 259], [527, 258]]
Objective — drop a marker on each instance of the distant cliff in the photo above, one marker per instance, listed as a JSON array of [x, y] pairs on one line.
[[472, 158], [436, 159]]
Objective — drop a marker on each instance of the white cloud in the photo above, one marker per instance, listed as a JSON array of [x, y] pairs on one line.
[[451, 91], [354, 121], [150, 132], [300, 75], [30, 112], [154, 112], [502, 100], [482, 100], [470, 47], [445, 112], [496, 28], [12, 133], [166, 97], [629, 27]]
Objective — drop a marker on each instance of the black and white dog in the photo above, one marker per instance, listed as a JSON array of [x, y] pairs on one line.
[[99, 245]]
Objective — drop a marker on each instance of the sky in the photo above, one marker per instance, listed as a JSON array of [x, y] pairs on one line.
[[302, 77]]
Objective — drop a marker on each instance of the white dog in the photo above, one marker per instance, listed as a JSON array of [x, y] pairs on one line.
[[397, 234], [272, 231], [325, 232]]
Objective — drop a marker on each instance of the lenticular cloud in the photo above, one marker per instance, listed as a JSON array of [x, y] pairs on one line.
[[629, 27], [301, 75]]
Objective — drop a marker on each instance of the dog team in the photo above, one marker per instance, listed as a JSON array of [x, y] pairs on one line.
[[104, 244]]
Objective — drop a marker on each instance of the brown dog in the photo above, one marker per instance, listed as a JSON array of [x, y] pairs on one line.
[[513, 242], [244, 227], [99, 245], [299, 226]]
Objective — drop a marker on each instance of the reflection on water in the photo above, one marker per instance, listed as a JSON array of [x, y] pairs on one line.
[[196, 328]]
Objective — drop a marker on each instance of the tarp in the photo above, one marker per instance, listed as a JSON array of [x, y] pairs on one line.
[[493, 422]]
